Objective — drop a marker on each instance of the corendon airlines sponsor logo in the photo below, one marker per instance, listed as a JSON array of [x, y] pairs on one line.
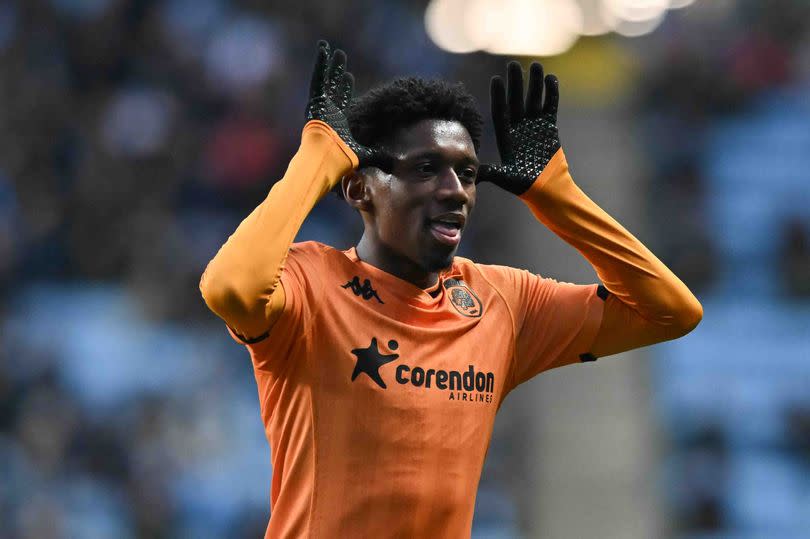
[[464, 386], [470, 385]]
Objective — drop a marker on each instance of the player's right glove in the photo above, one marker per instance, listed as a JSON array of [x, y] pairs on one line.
[[527, 133], [330, 94]]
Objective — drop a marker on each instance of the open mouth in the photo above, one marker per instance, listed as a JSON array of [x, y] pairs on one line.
[[447, 227]]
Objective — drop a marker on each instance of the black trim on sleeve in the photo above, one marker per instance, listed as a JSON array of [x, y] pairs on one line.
[[587, 357], [254, 340], [602, 292]]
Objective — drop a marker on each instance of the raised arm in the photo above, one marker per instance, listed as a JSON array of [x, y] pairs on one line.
[[241, 284], [645, 302]]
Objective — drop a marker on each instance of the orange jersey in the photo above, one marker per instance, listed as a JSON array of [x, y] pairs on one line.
[[379, 398]]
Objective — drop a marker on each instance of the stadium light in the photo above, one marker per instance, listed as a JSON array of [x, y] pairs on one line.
[[595, 22], [525, 27], [638, 28], [444, 28], [538, 27], [678, 4], [635, 10]]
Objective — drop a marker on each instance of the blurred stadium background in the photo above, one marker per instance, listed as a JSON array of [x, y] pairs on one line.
[[135, 134]]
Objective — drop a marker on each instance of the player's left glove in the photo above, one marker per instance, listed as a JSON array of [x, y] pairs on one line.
[[527, 133]]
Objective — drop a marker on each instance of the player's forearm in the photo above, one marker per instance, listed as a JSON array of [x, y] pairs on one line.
[[241, 283], [640, 283]]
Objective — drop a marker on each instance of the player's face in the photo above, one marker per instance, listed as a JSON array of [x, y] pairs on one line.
[[422, 207]]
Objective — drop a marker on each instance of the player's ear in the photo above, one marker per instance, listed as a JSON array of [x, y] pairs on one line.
[[355, 190]]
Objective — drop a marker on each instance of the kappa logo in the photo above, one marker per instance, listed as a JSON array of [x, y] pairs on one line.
[[469, 385], [463, 298], [365, 290]]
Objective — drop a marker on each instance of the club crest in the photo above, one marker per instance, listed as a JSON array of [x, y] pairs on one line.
[[463, 298]]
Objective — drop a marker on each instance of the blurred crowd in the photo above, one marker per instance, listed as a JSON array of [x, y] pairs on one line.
[[725, 114], [135, 134]]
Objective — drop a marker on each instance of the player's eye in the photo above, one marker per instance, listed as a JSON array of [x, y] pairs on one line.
[[467, 174], [426, 169]]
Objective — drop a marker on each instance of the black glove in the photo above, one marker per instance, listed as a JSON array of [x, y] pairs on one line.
[[330, 94], [527, 135]]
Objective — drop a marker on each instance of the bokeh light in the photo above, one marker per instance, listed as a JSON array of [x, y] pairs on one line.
[[636, 25], [678, 4], [523, 27], [636, 10], [538, 27], [442, 25]]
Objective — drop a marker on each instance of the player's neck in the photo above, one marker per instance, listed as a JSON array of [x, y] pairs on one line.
[[380, 256]]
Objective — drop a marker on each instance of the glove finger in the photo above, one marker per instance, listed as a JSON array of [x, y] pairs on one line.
[[497, 97], [497, 175], [552, 97], [514, 77], [336, 69], [534, 97], [490, 173], [345, 89], [317, 85]]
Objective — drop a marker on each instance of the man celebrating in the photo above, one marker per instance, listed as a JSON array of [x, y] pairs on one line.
[[380, 368]]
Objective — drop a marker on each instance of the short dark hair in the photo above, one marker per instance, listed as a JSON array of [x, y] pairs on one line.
[[377, 115]]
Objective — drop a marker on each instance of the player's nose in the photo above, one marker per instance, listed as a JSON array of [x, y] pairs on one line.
[[452, 188]]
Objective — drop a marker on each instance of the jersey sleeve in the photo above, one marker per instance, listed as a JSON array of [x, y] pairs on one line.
[[302, 284], [645, 302], [555, 323], [560, 323], [241, 282]]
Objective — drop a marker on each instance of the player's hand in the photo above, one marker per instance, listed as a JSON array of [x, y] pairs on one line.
[[330, 94], [526, 133]]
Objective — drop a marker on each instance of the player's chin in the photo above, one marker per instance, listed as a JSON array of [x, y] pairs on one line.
[[439, 257]]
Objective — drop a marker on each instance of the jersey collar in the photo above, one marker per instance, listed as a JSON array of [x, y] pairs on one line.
[[406, 290]]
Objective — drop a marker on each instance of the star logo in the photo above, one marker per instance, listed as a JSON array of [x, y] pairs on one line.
[[369, 361]]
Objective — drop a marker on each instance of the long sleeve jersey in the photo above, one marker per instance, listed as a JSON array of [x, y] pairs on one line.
[[379, 397]]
